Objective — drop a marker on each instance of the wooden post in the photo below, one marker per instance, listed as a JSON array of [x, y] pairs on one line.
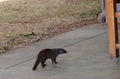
[[112, 28]]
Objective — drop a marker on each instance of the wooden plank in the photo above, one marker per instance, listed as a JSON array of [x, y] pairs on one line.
[[117, 14], [112, 28]]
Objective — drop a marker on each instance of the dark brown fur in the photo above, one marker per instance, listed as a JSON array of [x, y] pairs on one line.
[[46, 54]]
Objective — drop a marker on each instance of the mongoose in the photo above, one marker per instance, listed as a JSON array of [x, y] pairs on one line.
[[48, 54]]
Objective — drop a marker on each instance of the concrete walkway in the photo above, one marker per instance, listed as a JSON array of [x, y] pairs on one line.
[[87, 57]]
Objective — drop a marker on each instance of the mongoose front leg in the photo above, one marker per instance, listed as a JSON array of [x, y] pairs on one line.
[[54, 60]]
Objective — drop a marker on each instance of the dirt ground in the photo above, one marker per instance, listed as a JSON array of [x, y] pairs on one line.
[[28, 21], [50, 33]]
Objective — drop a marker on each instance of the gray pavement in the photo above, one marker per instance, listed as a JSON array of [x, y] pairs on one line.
[[87, 57]]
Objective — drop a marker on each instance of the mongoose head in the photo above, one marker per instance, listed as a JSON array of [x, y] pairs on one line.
[[62, 51]]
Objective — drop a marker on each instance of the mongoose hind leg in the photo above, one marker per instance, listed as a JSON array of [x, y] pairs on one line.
[[43, 63]]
